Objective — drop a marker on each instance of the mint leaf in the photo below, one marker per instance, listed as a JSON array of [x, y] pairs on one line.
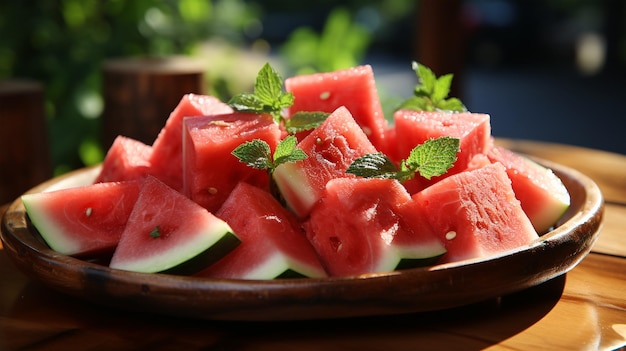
[[301, 121], [286, 151], [431, 93], [268, 85], [255, 153], [247, 103], [268, 95], [376, 165], [432, 158]]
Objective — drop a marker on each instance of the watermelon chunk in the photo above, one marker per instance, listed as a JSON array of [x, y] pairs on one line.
[[210, 170], [475, 213], [331, 149], [167, 155], [357, 228], [354, 88], [415, 127], [167, 232], [126, 159], [272, 244], [83, 221], [543, 196]]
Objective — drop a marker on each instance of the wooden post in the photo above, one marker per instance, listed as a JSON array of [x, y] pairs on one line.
[[24, 150], [440, 39], [140, 93]]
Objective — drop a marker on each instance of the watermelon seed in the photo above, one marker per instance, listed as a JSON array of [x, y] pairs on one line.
[[220, 123], [156, 232], [451, 235], [325, 95], [88, 211], [212, 190], [335, 243]]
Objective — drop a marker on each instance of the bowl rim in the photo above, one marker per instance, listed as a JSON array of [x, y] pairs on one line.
[[312, 298]]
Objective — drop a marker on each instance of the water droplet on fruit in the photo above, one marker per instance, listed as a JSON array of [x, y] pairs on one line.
[[451, 235], [325, 95]]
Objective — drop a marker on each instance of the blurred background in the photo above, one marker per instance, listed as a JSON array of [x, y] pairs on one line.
[[544, 70]]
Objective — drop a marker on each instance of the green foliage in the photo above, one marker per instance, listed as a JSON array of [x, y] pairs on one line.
[[64, 43], [341, 44]]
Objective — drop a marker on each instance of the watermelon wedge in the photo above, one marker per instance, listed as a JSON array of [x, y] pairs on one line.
[[168, 233], [126, 159], [357, 228], [354, 88], [415, 127], [331, 148], [83, 221], [210, 170], [543, 196], [272, 245], [475, 213], [167, 154]]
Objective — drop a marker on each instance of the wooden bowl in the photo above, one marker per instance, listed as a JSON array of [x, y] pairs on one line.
[[407, 291]]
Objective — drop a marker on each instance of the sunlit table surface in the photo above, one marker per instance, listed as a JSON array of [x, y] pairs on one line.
[[584, 309]]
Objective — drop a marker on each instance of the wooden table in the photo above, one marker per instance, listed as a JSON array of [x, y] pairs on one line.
[[584, 309]]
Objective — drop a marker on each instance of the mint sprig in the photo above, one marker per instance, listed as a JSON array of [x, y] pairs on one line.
[[268, 95], [257, 154], [301, 121], [431, 93], [432, 158]]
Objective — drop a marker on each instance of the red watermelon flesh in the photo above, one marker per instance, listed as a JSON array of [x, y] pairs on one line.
[[415, 127], [84, 221], [167, 156], [272, 244], [126, 159], [475, 213], [210, 171], [331, 148], [543, 196], [167, 232], [354, 88], [356, 228]]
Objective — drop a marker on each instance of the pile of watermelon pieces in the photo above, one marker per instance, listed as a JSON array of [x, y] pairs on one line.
[[187, 205]]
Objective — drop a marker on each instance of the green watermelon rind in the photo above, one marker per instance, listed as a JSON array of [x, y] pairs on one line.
[[212, 241], [424, 254], [279, 265], [555, 204], [295, 188], [48, 227]]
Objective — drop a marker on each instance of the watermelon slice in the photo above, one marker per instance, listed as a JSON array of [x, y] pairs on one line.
[[475, 213], [543, 196], [331, 149], [83, 221], [415, 127], [168, 233], [353, 88], [167, 156], [126, 159], [357, 228], [272, 244], [210, 170]]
